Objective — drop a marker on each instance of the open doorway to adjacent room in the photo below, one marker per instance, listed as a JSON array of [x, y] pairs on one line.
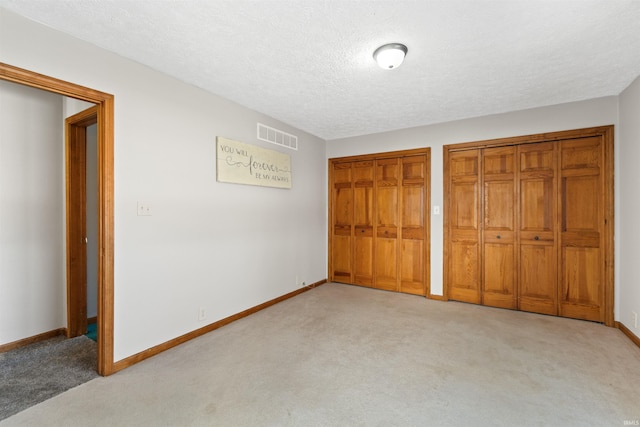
[[99, 120]]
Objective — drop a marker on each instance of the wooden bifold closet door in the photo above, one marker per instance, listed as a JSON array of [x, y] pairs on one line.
[[537, 239], [498, 237], [529, 223], [379, 214]]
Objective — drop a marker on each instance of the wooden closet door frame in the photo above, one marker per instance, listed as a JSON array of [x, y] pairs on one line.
[[427, 204], [607, 133]]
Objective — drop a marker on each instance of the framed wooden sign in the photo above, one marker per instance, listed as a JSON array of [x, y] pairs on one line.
[[240, 163]]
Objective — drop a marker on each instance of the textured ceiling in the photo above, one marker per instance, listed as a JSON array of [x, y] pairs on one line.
[[309, 63]]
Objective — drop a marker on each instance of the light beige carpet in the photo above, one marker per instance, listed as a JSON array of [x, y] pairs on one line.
[[342, 355]]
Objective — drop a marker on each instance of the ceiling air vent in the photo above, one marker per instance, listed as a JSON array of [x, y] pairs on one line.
[[278, 137]]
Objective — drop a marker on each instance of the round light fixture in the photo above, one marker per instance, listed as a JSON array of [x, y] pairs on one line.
[[390, 56]]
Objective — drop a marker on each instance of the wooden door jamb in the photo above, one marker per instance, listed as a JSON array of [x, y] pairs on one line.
[[76, 196]]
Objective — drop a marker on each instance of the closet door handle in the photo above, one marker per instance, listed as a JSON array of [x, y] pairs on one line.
[[362, 231], [536, 238], [498, 236]]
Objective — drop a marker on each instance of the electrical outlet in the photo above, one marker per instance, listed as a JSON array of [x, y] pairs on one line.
[[201, 314], [634, 315]]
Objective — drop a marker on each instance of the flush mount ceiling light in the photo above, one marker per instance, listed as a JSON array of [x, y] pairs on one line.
[[390, 55]]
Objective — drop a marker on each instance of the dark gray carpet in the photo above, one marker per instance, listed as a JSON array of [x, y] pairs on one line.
[[35, 373]]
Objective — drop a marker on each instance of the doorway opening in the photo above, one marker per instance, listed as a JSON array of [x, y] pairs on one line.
[[81, 209], [105, 241]]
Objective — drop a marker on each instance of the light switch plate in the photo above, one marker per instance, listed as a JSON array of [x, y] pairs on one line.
[[144, 209]]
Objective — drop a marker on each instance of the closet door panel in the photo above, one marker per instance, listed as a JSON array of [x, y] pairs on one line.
[[579, 192], [537, 238], [344, 206], [342, 223], [538, 278], [387, 224], [342, 259], [499, 204], [386, 264], [581, 269], [413, 207], [387, 206], [463, 270], [498, 234], [582, 221], [464, 206], [413, 234], [363, 258], [363, 223], [464, 276], [499, 276], [412, 267], [537, 196], [537, 281]]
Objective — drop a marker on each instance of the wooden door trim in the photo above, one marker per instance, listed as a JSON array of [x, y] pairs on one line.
[[446, 232], [609, 218], [105, 117], [330, 221], [381, 156], [607, 133], [330, 228], [76, 191], [427, 228], [535, 138]]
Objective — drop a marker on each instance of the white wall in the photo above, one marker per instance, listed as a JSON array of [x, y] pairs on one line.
[[222, 247], [628, 282], [32, 239], [596, 112]]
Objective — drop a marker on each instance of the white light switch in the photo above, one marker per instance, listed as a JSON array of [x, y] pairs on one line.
[[144, 209], [436, 210]]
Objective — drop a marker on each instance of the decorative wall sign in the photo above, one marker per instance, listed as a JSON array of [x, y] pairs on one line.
[[241, 163]]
